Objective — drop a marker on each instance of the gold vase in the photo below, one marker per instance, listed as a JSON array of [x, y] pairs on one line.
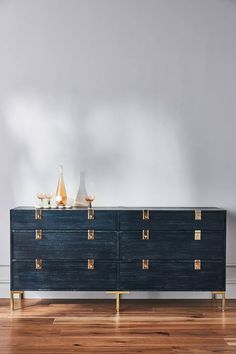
[[61, 196]]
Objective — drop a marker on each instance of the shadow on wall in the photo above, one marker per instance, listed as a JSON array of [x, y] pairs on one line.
[[131, 152]]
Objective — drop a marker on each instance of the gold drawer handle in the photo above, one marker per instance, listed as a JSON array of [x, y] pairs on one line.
[[197, 235], [90, 234], [145, 235], [90, 263], [38, 234], [91, 215], [198, 214], [38, 214], [146, 215], [38, 264], [197, 264], [145, 264]]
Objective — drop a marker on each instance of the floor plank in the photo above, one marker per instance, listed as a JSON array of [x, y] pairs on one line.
[[92, 326]]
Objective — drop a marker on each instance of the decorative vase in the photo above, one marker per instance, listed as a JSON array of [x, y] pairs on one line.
[[61, 196], [80, 200]]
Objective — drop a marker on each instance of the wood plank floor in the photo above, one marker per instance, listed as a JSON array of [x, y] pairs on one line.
[[92, 326]]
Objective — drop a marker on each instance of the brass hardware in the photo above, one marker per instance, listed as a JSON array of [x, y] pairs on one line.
[[90, 263], [38, 263], [118, 293], [146, 215], [38, 214], [90, 234], [145, 264], [197, 264], [91, 215], [223, 298], [197, 235], [145, 235], [38, 234], [12, 292], [198, 214]]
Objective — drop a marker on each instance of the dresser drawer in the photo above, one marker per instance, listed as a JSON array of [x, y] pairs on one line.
[[172, 276], [64, 244], [72, 219], [172, 244], [63, 275], [172, 220]]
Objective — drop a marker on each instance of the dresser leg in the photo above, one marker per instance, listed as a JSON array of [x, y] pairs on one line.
[[222, 293], [12, 300], [118, 293]]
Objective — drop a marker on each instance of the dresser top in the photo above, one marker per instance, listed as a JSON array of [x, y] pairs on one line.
[[126, 208]]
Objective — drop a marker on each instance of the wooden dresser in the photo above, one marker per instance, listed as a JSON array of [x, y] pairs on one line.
[[118, 250]]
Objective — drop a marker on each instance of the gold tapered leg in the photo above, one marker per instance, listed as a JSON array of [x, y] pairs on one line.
[[118, 293], [223, 298], [117, 302], [12, 300]]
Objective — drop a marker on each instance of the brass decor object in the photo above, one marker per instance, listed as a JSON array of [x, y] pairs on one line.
[[145, 264], [38, 263], [197, 235], [146, 215], [145, 235], [198, 214], [38, 234], [223, 298], [118, 293], [197, 264], [90, 234], [12, 293]]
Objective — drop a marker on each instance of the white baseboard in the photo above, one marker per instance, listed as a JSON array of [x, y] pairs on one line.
[[230, 290]]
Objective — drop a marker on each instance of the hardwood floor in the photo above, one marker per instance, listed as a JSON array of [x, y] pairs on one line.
[[81, 326]]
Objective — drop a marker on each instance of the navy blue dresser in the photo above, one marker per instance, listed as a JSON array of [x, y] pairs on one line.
[[118, 250]]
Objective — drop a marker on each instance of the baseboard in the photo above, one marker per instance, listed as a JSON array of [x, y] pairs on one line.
[[230, 290]]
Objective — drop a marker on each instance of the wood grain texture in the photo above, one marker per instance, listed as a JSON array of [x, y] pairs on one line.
[[80, 326]]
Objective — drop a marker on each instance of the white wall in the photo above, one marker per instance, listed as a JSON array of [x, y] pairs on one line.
[[139, 94]]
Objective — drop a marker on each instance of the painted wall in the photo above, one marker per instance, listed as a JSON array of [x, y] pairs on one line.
[[139, 94]]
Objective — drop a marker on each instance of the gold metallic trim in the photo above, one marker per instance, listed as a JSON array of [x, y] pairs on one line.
[[38, 214], [90, 234], [38, 263], [12, 292], [197, 235], [90, 263], [145, 235], [145, 264], [118, 293], [197, 264], [38, 234], [223, 298], [91, 215], [198, 214], [146, 215]]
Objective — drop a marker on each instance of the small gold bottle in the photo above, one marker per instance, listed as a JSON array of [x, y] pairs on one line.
[[61, 196]]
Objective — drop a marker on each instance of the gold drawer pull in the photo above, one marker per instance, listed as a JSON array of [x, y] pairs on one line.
[[198, 214], [197, 264], [91, 215], [146, 215], [38, 214], [38, 234], [38, 264], [90, 263], [145, 235], [145, 264], [90, 234], [197, 235]]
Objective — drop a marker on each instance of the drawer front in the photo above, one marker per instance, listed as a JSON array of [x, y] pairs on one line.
[[171, 245], [172, 220], [64, 276], [64, 220], [172, 276], [64, 245]]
